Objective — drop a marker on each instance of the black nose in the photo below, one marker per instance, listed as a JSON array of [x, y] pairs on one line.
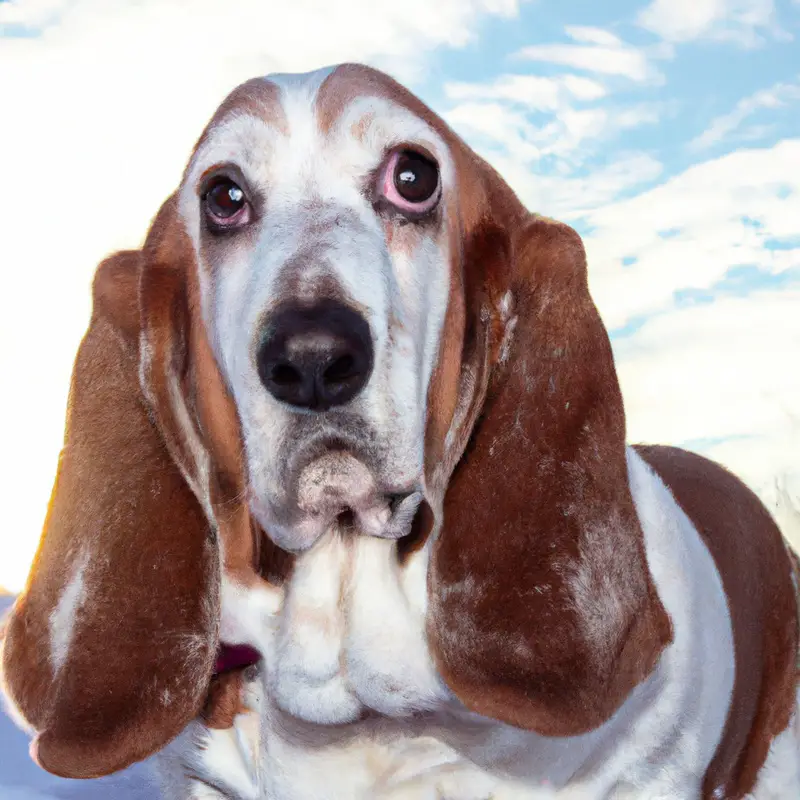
[[315, 357]]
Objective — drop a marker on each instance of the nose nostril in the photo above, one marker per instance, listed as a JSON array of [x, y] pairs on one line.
[[340, 370], [285, 375], [316, 357]]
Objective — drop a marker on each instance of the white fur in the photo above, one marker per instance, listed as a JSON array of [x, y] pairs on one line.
[[308, 680], [509, 324], [204, 763], [62, 617], [196, 471], [351, 639], [248, 613]]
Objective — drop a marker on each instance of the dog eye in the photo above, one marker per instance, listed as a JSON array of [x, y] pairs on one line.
[[416, 178], [411, 182], [225, 204]]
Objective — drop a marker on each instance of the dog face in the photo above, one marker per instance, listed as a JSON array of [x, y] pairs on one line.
[[321, 231]]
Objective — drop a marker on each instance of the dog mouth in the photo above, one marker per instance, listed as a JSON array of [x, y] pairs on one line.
[[333, 482], [337, 489]]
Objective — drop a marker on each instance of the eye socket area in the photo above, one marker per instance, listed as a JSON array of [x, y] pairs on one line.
[[411, 182], [225, 204]]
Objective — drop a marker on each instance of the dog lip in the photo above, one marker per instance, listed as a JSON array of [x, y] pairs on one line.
[[347, 488], [399, 492], [339, 488], [401, 517]]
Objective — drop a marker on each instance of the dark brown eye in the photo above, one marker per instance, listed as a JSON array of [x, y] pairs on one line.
[[416, 178], [225, 199], [225, 203]]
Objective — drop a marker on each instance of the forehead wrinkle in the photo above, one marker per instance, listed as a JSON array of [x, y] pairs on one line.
[[253, 102], [382, 124], [349, 82]]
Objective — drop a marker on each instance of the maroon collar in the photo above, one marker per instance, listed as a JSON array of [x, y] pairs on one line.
[[235, 656]]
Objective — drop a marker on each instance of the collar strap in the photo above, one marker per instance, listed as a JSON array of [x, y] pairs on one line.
[[235, 656]]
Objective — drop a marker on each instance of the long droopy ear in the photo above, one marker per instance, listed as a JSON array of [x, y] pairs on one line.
[[109, 650], [543, 612]]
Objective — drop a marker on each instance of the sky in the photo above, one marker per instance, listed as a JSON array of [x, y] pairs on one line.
[[667, 132]]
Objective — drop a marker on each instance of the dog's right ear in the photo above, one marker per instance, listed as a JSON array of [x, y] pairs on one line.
[[109, 650]]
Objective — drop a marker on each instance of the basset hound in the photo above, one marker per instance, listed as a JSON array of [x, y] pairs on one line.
[[345, 507]]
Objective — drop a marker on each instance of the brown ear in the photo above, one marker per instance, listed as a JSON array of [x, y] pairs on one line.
[[109, 650], [543, 612]]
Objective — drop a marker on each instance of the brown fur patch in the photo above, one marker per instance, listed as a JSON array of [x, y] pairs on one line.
[[224, 700]]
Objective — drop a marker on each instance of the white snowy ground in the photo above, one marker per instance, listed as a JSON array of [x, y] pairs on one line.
[[21, 779]]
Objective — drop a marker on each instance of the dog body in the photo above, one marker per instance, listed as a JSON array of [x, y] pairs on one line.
[[352, 407], [658, 745]]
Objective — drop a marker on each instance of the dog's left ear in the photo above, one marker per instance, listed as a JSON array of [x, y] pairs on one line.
[[109, 650], [543, 612]]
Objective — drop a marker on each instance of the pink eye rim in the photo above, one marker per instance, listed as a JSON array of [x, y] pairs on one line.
[[428, 192], [225, 204]]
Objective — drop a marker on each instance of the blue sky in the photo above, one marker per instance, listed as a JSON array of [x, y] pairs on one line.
[[666, 131]]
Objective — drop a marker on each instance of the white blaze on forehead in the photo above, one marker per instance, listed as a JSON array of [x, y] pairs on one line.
[[298, 87], [62, 618], [304, 81]]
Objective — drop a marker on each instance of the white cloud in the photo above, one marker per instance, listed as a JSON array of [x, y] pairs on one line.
[[596, 51], [571, 135], [33, 14], [546, 163], [585, 88], [499, 126], [688, 231], [523, 118], [587, 35], [535, 92], [566, 196], [549, 135], [723, 371], [775, 97], [98, 122], [739, 21]]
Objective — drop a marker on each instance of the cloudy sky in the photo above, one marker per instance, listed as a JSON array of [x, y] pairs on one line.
[[667, 132]]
